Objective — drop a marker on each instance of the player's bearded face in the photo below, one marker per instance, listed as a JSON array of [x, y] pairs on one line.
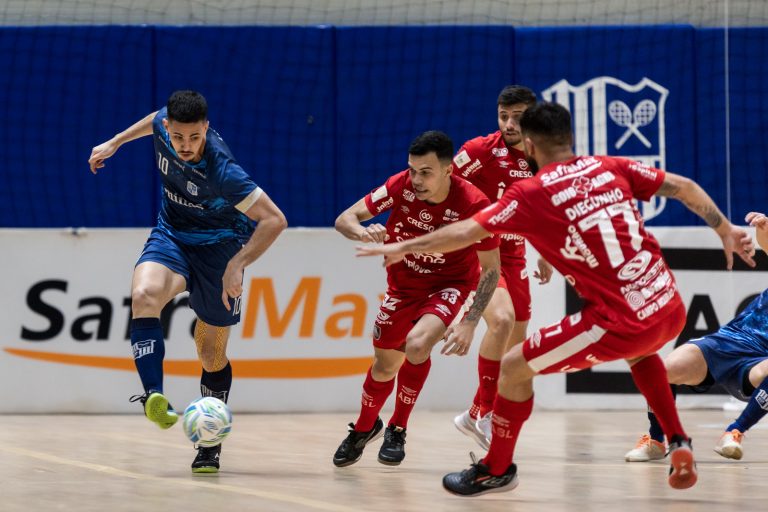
[[509, 123], [188, 139]]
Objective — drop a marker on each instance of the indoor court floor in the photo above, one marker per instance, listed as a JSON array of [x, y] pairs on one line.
[[567, 461]]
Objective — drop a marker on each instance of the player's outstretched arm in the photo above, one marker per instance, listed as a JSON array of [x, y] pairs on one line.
[[107, 149], [349, 224], [735, 239], [271, 222], [760, 222], [446, 239], [458, 337]]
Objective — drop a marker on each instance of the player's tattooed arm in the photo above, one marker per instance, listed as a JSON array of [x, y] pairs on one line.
[[458, 337], [734, 239], [485, 288], [693, 197]]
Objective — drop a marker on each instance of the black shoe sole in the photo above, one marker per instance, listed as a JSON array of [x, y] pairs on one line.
[[389, 462]]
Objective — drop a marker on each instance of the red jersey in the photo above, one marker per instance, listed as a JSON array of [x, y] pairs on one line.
[[487, 163], [580, 216], [411, 217]]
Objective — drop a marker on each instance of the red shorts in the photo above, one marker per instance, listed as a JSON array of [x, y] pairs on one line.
[[399, 312], [514, 279], [577, 343]]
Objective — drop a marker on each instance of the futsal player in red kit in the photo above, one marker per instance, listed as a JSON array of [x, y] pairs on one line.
[[579, 213], [425, 290], [493, 163]]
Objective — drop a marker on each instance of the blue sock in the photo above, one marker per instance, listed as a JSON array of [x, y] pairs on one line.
[[217, 384], [755, 410], [655, 429], [148, 352]]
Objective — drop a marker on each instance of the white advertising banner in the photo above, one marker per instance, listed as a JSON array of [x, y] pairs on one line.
[[303, 343]]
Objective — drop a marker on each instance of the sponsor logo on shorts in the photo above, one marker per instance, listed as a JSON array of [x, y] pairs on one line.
[[376, 332], [442, 308]]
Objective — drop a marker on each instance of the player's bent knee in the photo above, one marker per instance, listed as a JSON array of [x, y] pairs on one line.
[[417, 351], [686, 365], [501, 323], [514, 366], [146, 299]]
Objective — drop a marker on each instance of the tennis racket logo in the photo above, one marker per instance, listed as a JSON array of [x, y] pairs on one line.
[[643, 115]]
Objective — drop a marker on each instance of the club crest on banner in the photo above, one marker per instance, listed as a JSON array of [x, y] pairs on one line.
[[612, 117]]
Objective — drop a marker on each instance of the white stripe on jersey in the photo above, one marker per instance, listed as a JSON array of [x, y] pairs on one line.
[[567, 349], [244, 205]]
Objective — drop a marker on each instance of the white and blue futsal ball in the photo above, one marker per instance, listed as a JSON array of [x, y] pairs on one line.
[[207, 421]]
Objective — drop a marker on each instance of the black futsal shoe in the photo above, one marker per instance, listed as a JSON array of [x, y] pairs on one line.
[[351, 449]]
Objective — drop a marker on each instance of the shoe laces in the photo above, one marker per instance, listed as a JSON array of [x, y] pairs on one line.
[[645, 440], [395, 435], [475, 469], [737, 435], [207, 451], [139, 398]]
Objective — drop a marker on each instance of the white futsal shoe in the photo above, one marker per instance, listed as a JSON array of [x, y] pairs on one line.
[[468, 426], [729, 445], [645, 450]]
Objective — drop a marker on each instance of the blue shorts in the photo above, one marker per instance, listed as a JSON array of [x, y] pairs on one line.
[[203, 267], [729, 358]]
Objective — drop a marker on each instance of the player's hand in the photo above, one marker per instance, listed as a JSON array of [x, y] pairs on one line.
[[391, 255], [757, 220], [101, 153], [374, 233], [544, 274], [232, 283], [738, 241], [458, 338]]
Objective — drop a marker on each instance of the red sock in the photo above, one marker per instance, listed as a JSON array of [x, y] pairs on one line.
[[488, 371], [410, 380], [651, 379], [375, 393], [508, 419]]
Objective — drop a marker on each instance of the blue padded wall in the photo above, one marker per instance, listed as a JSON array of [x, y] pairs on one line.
[[321, 115]]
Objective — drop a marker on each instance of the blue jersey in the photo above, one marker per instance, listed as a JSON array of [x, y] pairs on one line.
[[199, 200], [751, 326]]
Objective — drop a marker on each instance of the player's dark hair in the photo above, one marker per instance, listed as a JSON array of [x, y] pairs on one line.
[[187, 107], [432, 142], [515, 94], [550, 123]]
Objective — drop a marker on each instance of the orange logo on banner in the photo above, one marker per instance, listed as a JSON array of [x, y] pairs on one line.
[[348, 322], [243, 368]]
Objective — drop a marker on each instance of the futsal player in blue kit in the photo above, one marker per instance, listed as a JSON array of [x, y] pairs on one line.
[[736, 357], [213, 222]]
